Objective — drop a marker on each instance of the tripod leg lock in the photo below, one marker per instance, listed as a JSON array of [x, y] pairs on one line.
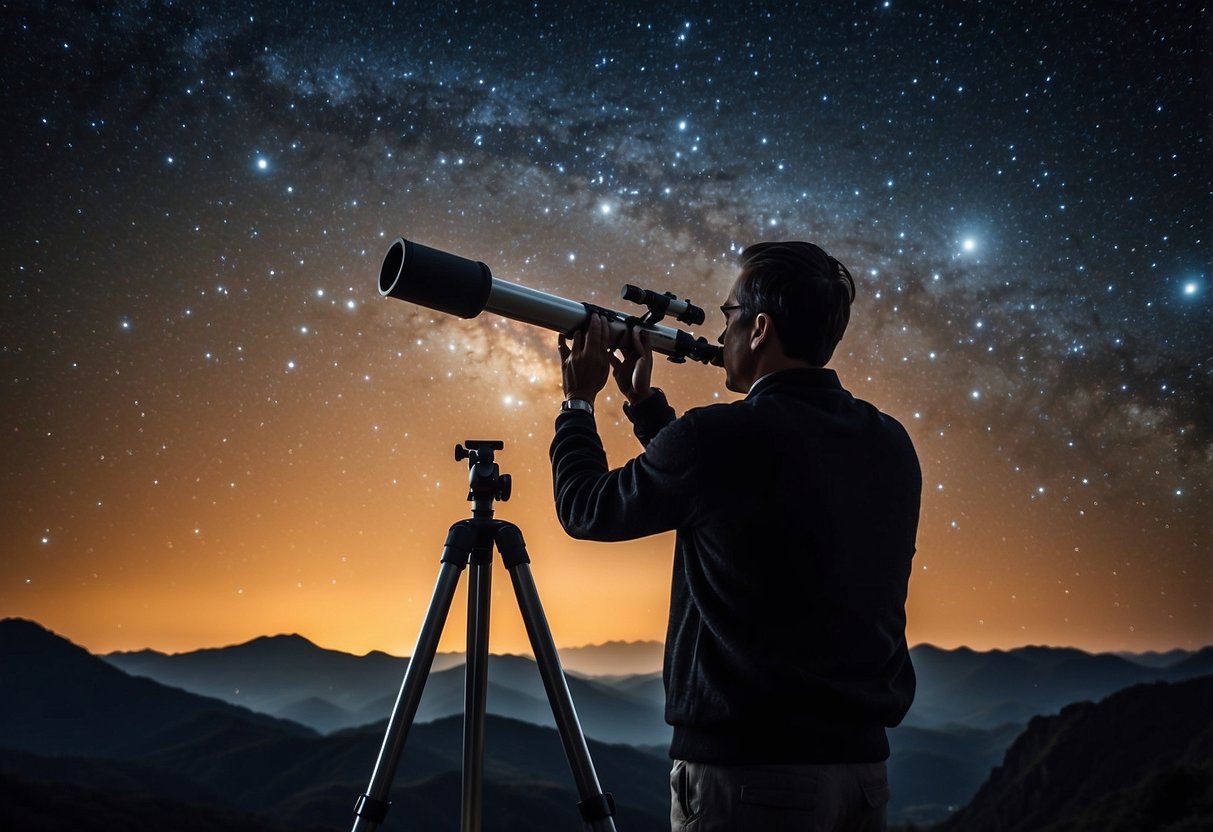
[[460, 541], [372, 808], [511, 545], [598, 807]]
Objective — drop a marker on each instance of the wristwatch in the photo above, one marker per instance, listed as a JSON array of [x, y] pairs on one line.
[[577, 404]]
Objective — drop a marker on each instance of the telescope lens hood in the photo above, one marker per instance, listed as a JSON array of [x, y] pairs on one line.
[[435, 279]]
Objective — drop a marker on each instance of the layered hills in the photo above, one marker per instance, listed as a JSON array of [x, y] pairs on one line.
[[69, 718], [280, 731]]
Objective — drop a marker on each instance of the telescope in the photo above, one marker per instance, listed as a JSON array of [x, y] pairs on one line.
[[458, 286]]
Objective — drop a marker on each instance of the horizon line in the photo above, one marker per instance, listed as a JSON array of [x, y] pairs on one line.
[[606, 643]]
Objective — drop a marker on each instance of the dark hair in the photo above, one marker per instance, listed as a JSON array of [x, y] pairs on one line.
[[806, 292]]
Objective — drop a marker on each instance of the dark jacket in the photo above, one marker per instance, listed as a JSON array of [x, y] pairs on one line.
[[796, 512]]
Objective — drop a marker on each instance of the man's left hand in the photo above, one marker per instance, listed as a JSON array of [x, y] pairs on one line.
[[586, 366]]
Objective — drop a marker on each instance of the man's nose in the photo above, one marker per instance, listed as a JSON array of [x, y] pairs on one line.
[[720, 337]]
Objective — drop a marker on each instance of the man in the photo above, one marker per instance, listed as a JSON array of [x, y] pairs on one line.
[[796, 511]]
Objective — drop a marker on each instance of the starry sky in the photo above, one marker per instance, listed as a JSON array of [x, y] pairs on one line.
[[214, 428]]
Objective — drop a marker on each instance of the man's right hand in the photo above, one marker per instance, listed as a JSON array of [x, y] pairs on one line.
[[634, 372]]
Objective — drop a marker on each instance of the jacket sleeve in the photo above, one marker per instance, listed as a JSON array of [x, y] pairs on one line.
[[650, 494], [650, 416]]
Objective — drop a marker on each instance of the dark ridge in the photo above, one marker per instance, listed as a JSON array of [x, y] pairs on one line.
[[1140, 759]]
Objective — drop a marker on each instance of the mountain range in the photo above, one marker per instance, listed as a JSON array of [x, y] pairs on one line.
[[989, 689], [290, 677], [73, 718], [68, 718], [1141, 759], [969, 707]]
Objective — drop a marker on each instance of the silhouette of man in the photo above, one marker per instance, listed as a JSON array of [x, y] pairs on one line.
[[796, 511]]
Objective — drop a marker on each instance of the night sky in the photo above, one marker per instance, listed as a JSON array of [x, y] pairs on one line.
[[214, 428]]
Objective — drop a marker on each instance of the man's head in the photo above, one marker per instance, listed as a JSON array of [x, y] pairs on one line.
[[789, 307]]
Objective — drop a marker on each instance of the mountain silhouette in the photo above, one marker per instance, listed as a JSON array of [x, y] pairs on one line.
[[933, 771], [614, 658], [274, 673], [58, 698], [72, 720], [290, 677], [971, 706], [24, 806], [986, 690], [1155, 658], [1140, 759]]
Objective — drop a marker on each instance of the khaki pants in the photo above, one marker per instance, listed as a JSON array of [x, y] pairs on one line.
[[845, 797]]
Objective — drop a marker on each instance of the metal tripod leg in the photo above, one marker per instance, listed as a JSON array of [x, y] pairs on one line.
[[596, 807], [475, 690], [372, 806]]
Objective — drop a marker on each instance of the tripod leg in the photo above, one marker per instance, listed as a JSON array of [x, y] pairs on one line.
[[475, 691], [596, 807], [372, 806]]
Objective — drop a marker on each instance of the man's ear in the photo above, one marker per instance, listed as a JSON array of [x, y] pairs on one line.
[[762, 331]]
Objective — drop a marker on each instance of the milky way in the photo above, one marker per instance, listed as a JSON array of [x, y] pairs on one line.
[[214, 427]]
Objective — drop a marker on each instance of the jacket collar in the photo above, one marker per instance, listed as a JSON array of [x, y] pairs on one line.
[[801, 378]]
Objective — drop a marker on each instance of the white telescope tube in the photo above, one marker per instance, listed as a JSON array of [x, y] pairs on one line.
[[458, 286]]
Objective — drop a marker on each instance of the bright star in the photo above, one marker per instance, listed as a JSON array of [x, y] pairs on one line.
[[969, 244]]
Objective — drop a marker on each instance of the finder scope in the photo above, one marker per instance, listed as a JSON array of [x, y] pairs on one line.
[[664, 304], [458, 286]]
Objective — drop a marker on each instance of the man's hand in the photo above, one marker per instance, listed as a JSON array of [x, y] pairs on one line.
[[634, 372], [584, 368]]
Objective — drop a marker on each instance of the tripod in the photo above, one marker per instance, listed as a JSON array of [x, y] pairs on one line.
[[470, 542]]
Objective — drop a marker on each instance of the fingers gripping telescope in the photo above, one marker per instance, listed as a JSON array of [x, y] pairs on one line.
[[457, 286]]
